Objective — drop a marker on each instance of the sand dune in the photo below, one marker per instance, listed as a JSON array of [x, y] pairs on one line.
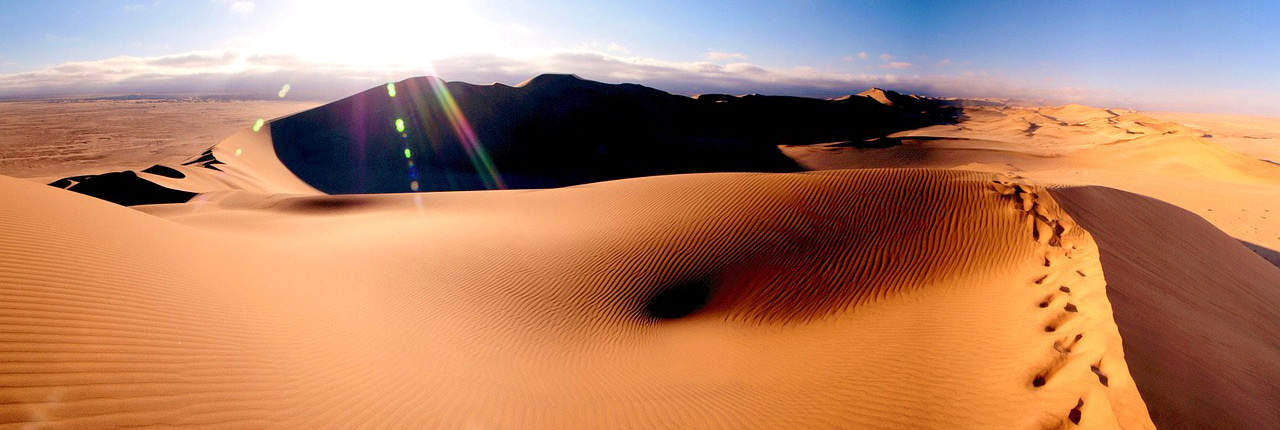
[[957, 300], [1089, 146], [952, 264], [1190, 300], [425, 134], [1252, 136]]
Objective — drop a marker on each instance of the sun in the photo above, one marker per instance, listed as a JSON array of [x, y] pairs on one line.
[[382, 33]]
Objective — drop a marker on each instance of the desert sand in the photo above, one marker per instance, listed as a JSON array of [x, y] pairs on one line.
[[57, 138], [892, 262]]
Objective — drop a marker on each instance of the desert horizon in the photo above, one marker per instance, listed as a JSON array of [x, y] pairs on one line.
[[241, 214]]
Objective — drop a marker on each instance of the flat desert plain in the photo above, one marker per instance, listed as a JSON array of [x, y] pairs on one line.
[[991, 267], [58, 138]]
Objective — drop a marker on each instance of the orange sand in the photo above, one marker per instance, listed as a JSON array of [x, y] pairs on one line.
[[53, 139], [873, 298], [934, 285]]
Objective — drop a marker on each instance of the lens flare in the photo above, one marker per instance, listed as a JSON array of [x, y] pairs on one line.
[[400, 125], [470, 143], [391, 89], [283, 91], [257, 125], [407, 153]]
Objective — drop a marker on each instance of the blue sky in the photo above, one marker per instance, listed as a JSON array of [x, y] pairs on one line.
[[1192, 56]]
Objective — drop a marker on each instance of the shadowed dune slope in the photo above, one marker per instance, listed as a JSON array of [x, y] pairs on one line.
[[558, 130], [848, 299], [1197, 309], [425, 134], [125, 188], [244, 161]]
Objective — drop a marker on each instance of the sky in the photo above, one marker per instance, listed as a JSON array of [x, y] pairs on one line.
[[1151, 55]]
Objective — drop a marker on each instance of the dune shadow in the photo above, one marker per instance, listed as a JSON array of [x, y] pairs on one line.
[[1272, 256], [561, 130], [123, 188], [1195, 308], [165, 171], [551, 131], [323, 204]]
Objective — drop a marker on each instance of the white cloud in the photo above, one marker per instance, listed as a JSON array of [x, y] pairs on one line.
[[721, 56], [614, 47], [232, 72], [262, 74], [242, 7], [610, 47], [858, 56], [886, 57], [360, 33], [895, 65]]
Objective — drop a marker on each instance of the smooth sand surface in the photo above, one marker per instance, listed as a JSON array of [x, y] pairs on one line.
[[1056, 267], [1254, 136], [866, 298], [1197, 310]]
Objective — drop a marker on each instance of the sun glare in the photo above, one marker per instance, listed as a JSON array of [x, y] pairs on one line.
[[389, 32]]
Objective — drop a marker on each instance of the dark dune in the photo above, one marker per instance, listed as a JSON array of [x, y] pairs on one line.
[[205, 159], [126, 188], [551, 131], [123, 188], [559, 130], [165, 171]]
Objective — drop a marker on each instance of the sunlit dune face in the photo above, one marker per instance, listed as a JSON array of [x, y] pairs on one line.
[[389, 32]]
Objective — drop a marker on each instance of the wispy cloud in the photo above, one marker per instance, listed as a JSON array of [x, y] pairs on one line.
[[610, 47], [242, 7], [614, 47], [255, 73], [944, 62], [263, 74], [859, 56], [721, 56], [888, 62]]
